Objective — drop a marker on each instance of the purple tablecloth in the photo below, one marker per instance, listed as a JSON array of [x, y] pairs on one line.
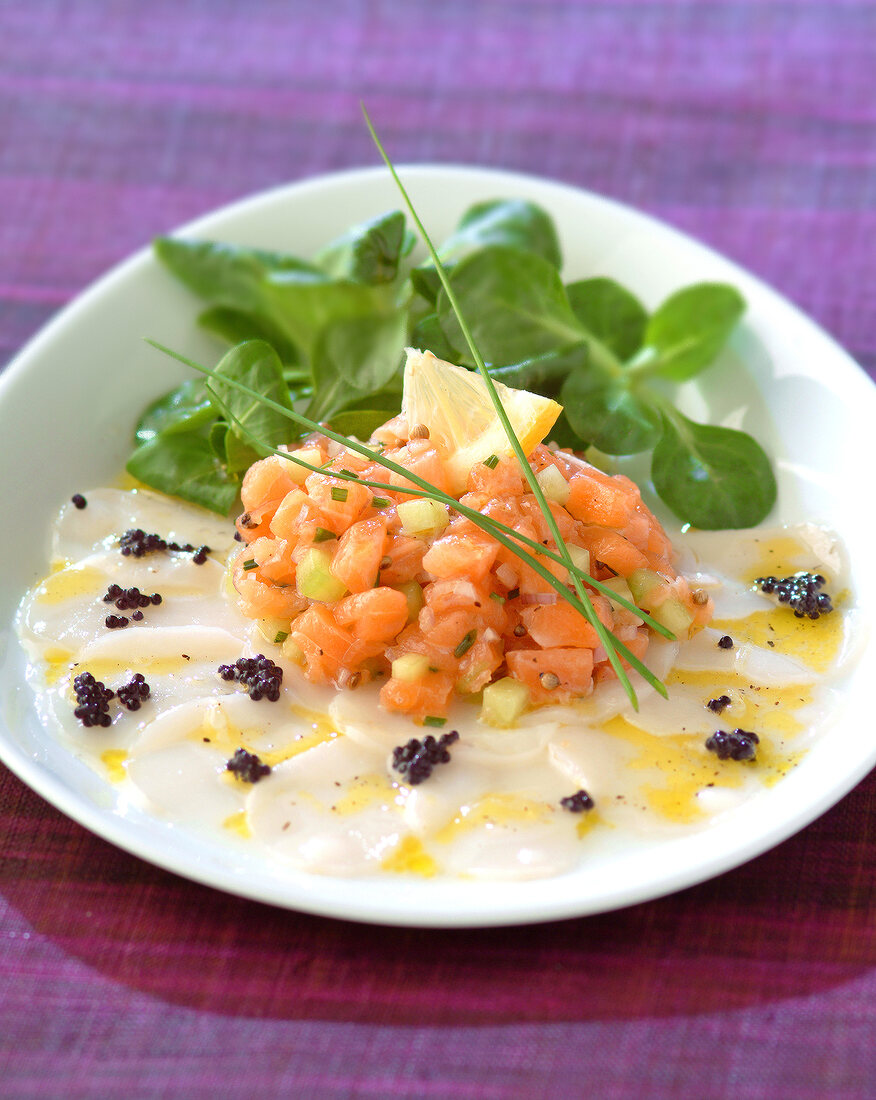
[[751, 125]]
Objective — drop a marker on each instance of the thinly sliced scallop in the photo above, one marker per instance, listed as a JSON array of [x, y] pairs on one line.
[[111, 512], [188, 783], [764, 666], [329, 811]]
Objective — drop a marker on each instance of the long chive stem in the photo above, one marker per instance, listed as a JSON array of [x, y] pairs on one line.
[[503, 535], [424, 488], [498, 534], [604, 636]]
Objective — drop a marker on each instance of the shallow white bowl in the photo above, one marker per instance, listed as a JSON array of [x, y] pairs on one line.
[[69, 401]]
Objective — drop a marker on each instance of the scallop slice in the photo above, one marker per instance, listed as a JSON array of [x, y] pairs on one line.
[[764, 666], [111, 512], [735, 600], [683, 712], [357, 714], [201, 736], [511, 832], [187, 782], [331, 810]]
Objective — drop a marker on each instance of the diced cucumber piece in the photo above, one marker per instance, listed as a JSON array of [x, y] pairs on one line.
[[270, 629], [314, 578], [619, 585], [293, 652], [465, 685], [553, 484], [410, 668], [580, 557], [674, 616], [413, 593], [422, 517], [642, 583], [504, 702], [313, 455]]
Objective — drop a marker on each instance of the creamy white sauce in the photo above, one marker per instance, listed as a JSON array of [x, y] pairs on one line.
[[332, 803]]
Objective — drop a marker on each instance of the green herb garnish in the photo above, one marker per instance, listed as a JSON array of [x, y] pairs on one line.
[[465, 645], [340, 320]]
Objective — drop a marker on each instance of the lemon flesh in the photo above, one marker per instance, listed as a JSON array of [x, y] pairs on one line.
[[455, 406]]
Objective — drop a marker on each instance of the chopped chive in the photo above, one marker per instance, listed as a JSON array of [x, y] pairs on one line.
[[281, 637], [322, 535], [339, 494], [350, 473], [495, 596], [432, 720], [508, 537], [465, 645], [492, 461], [380, 502], [514, 593], [250, 563], [614, 648]]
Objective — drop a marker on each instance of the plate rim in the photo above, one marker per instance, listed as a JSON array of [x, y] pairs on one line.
[[46, 783]]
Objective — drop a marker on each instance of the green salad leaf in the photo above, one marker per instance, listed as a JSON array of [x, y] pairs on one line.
[[326, 335]]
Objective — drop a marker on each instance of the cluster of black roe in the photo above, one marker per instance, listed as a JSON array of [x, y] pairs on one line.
[[259, 675], [800, 592], [135, 542], [93, 698], [134, 693], [247, 767], [578, 802], [416, 759], [735, 745], [128, 599]]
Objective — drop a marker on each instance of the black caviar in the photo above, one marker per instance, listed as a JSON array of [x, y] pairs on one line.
[[115, 622], [259, 675], [129, 599], [79, 500], [136, 542], [800, 592], [416, 759], [135, 692], [93, 698], [718, 704], [725, 642], [247, 767], [578, 802], [735, 745]]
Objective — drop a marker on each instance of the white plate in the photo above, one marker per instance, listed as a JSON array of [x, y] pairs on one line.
[[69, 402]]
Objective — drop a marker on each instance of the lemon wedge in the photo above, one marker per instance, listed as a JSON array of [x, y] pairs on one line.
[[455, 406]]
